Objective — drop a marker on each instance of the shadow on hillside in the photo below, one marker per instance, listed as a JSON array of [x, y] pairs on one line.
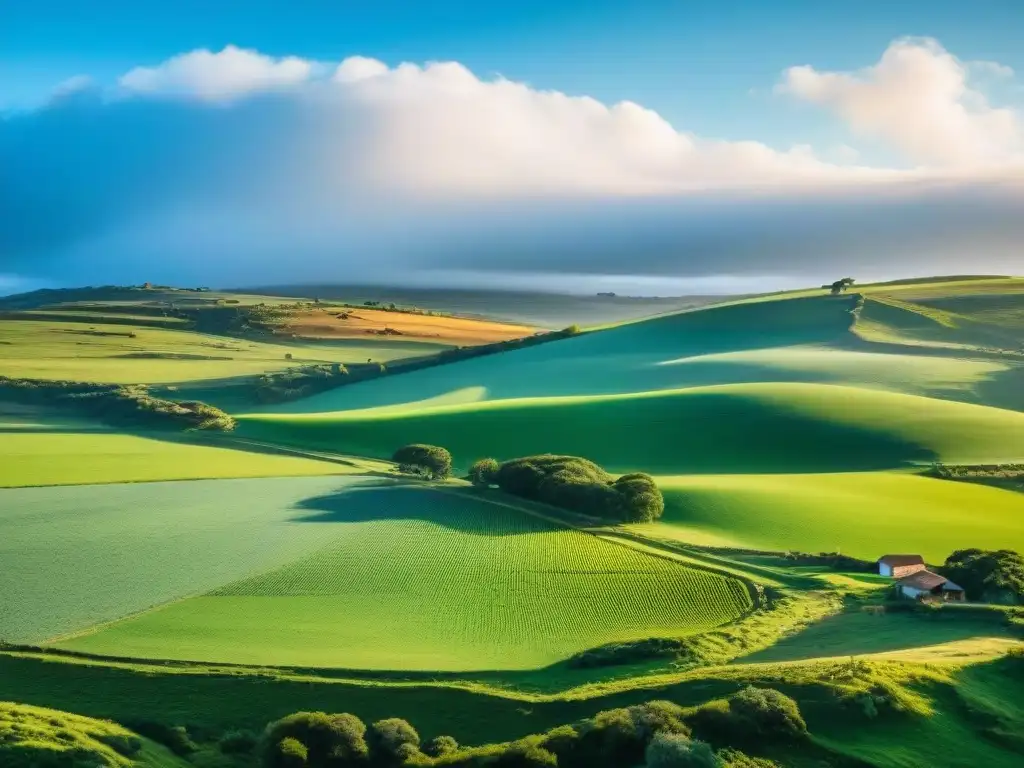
[[1004, 389], [397, 501]]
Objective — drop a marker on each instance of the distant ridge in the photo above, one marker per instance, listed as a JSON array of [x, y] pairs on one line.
[[939, 279]]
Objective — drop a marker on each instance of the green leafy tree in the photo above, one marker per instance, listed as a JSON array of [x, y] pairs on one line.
[[430, 460], [995, 576]]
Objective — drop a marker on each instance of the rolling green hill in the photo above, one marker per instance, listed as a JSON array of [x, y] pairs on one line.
[[746, 428], [860, 514]]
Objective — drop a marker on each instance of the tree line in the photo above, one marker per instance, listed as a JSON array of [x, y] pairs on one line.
[[658, 734], [569, 482]]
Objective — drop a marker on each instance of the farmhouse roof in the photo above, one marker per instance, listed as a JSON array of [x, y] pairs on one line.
[[925, 580], [895, 560]]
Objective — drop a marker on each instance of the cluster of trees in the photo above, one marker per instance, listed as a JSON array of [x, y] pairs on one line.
[[429, 461], [575, 484], [658, 734], [306, 380], [993, 576], [131, 404], [839, 285]]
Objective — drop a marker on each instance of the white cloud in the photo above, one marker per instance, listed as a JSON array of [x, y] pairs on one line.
[[365, 166], [919, 99], [224, 75]]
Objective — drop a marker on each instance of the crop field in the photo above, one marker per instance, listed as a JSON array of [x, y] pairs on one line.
[[419, 580], [347, 323], [746, 428], [106, 353], [859, 514], [72, 560]]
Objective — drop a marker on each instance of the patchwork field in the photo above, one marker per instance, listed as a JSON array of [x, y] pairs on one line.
[[799, 421], [127, 354], [420, 580]]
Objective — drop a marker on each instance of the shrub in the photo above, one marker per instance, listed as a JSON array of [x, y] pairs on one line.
[[674, 750], [766, 713], [127, 744], [238, 742], [483, 472], [440, 746], [613, 654], [526, 753], [289, 753], [175, 738], [331, 741], [432, 460], [390, 740], [733, 758]]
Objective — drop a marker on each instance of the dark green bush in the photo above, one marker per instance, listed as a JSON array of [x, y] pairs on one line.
[[391, 740], [238, 742], [676, 750], [483, 472], [526, 753], [430, 460], [766, 714], [288, 753], [993, 576], [440, 746], [331, 741], [175, 738]]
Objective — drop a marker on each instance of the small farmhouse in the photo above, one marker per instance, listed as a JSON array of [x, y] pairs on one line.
[[925, 585], [898, 566]]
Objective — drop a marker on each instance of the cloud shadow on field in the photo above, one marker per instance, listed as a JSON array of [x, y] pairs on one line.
[[395, 501]]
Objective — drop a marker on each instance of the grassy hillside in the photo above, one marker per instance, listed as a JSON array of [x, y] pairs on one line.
[[860, 514], [72, 559], [420, 580], [729, 429], [34, 736]]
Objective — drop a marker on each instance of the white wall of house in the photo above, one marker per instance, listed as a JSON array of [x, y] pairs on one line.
[[912, 593], [885, 570]]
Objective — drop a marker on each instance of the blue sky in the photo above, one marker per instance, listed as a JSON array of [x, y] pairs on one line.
[[712, 70]]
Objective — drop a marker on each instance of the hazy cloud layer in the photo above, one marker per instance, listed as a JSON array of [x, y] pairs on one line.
[[238, 167]]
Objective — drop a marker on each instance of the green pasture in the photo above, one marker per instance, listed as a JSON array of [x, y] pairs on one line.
[[37, 349], [75, 453], [76, 557], [749, 428], [418, 580], [861, 632], [861, 514]]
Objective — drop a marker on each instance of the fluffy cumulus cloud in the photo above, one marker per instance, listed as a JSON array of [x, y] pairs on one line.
[[230, 165], [231, 73], [919, 98]]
